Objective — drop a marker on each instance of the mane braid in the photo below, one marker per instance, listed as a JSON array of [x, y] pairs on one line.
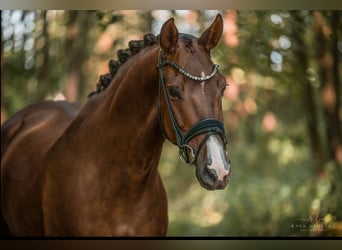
[[123, 55]]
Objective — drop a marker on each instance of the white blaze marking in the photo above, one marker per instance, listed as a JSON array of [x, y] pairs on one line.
[[216, 154]]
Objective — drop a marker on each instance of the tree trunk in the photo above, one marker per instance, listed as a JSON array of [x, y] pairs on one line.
[[327, 55], [44, 71], [76, 52], [307, 91], [73, 75], [3, 113], [336, 25]]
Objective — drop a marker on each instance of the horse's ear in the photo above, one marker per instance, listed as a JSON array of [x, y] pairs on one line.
[[168, 38], [210, 38]]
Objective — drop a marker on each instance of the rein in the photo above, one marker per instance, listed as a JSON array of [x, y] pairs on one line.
[[208, 126]]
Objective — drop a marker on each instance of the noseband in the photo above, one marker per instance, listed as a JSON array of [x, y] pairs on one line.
[[208, 126]]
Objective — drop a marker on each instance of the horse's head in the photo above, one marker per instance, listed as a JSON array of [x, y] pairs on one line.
[[190, 108]]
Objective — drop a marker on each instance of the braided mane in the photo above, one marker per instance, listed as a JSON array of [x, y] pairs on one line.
[[123, 55]]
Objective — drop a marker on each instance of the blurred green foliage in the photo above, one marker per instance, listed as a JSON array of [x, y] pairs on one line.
[[283, 144], [273, 191]]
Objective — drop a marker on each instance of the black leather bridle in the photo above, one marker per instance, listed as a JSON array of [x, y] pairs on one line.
[[208, 126]]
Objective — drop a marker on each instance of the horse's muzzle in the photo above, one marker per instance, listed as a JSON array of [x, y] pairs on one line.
[[213, 168]]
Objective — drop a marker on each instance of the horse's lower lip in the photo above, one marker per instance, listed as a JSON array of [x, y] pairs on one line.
[[220, 184], [215, 186]]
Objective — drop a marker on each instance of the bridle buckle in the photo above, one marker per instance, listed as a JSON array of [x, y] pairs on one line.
[[187, 159]]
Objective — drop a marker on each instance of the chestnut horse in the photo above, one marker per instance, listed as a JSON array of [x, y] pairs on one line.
[[92, 171]]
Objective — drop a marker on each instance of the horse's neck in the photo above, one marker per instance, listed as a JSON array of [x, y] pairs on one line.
[[121, 124]]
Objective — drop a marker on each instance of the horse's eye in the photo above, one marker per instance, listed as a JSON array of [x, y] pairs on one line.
[[223, 88], [173, 92]]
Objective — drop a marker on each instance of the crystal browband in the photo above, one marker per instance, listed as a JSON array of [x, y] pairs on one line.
[[187, 74]]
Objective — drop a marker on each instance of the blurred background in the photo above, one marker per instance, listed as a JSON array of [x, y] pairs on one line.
[[282, 108]]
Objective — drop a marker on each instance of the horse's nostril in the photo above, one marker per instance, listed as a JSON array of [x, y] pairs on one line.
[[212, 172]]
